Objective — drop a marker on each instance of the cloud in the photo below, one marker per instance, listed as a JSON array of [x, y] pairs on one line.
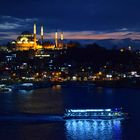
[[123, 29], [13, 23], [15, 19], [9, 26], [133, 35], [97, 35], [8, 35]]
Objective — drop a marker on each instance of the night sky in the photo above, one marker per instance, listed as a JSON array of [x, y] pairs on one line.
[[78, 19]]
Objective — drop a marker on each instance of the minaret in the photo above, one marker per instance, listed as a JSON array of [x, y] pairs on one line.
[[56, 39], [62, 38], [34, 36], [42, 34]]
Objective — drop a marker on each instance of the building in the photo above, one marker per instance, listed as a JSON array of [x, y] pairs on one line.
[[28, 40]]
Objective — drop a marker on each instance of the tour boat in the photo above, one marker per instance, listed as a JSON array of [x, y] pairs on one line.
[[94, 113]]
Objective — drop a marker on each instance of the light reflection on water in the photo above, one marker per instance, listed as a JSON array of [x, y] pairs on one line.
[[25, 91], [93, 129]]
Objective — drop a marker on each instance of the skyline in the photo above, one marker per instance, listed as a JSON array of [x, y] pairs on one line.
[[77, 19]]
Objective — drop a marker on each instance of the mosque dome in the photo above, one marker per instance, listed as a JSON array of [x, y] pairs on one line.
[[25, 36], [26, 33]]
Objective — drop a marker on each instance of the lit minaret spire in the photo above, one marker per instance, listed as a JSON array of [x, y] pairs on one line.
[[42, 34], [62, 36], [34, 35], [34, 28], [56, 39]]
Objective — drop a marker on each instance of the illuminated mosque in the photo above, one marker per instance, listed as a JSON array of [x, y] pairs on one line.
[[27, 41]]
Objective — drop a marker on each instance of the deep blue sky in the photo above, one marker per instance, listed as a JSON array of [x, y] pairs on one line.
[[86, 18]]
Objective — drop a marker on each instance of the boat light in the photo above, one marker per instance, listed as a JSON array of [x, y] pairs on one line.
[[88, 110]]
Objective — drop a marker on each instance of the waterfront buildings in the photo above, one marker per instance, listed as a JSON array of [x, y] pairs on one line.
[[32, 58]]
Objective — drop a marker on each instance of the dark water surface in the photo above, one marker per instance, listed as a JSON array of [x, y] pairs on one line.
[[55, 100]]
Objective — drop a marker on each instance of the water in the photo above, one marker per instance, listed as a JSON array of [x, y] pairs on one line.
[[55, 100]]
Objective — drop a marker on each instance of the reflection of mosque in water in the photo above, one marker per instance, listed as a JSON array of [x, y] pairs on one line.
[[93, 129], [27, 41]]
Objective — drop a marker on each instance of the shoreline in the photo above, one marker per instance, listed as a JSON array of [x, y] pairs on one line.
[[122, 83]]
